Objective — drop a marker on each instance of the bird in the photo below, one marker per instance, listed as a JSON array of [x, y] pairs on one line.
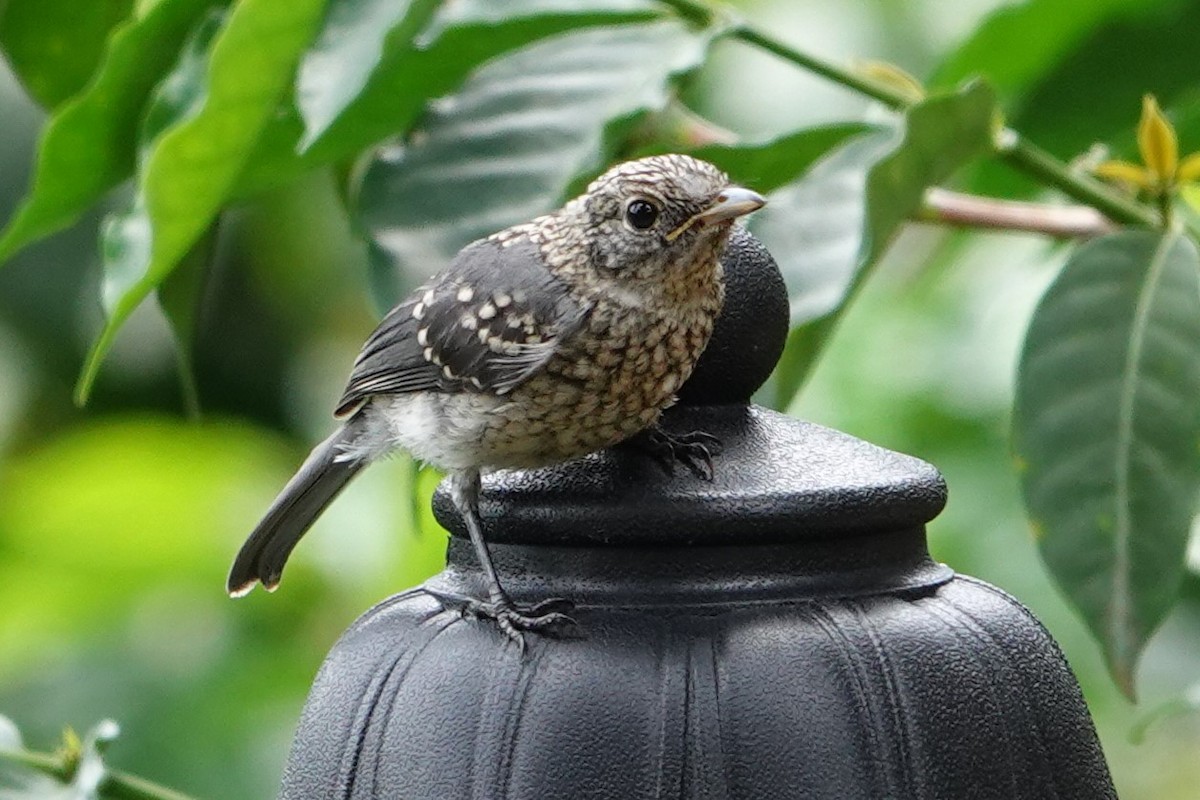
[[535, 345]]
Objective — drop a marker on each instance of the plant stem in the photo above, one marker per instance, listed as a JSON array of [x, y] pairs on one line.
[[1011, 147], [116, 784], [705, 14], [1063, 222], [1030, 158], [890, 97]]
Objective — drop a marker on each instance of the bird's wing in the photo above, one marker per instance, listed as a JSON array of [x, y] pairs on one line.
[[486, 323]]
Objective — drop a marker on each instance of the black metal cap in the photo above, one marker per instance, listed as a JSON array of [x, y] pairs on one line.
[[777, 480], [750, 333]]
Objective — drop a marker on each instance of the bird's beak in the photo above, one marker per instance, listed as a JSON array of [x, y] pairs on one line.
[[731, 203]]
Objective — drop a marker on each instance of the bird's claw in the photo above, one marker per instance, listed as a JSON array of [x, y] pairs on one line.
[[548, 617], [695, 450]]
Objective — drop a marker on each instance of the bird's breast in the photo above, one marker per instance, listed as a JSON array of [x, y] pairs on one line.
[[611, 380]]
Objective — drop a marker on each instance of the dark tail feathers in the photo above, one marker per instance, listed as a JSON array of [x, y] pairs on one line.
[[320, 478]]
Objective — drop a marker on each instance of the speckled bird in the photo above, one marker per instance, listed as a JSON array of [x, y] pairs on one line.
[[538, 344]]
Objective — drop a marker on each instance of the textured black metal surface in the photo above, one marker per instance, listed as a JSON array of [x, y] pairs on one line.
[[934, 691], [750, 332], [776, 478]]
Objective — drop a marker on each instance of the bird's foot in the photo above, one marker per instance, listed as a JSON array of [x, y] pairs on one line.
[[695, 450], [549, 617]]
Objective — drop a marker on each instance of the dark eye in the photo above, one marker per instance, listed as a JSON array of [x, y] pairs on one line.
[[641, 214]]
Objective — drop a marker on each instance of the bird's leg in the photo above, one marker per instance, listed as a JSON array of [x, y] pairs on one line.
[[547, 616], [695, 450]]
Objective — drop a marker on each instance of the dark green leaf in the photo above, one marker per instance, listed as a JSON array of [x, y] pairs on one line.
[[54, 46], [1017, 45], [829, 229], [336, 68], [1107, 432], [87, 147], [504, 148], [187, 172], [461, 36], [181, 298], [1094, 91]]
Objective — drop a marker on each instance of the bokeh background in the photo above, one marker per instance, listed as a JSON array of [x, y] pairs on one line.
[[118, 521]]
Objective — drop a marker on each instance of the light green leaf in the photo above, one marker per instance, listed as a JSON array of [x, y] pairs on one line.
[[10, 735], [187, 172], [88, 145], [505, 147], [830, 228], [1106, 430], [410, 71], [336, 68], [54, 46], [1188, 702], [765, 166]]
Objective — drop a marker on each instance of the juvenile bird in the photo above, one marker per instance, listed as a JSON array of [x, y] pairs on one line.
[[543, 342]]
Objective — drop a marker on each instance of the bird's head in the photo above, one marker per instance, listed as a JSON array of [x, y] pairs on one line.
[[658, 217]]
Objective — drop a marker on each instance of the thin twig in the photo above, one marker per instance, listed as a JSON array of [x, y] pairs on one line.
[[972, 211]]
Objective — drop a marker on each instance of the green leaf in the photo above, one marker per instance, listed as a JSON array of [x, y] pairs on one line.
[[412, 70], [54, 46], [1093, 91], [1017, 45], [188, 170], [336, 68], [10, 735], [830, 228], [1107, 432], [1183, 704], [504, 148], [88, 145], [765, 166], [181, 297]]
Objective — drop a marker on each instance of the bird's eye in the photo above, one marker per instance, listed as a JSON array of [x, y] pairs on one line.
[[641, 214]]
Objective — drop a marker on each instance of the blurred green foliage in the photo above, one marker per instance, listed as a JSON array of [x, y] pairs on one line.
[[257, 170]]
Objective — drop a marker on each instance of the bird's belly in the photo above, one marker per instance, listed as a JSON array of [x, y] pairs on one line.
[[560, 424], [444, 430]]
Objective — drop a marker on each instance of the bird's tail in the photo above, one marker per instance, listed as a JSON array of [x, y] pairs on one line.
[[320, 478]]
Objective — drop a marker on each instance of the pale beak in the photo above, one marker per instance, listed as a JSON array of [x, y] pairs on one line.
[[731, 203]]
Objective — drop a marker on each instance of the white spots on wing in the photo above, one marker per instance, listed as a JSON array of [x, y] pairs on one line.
[[469, 321], [465, 294], [418, 311], [498, 345], [502, 300], [449, 373], [519, 297], [514, 321], [428, 354], [428, 297], [423, 336], [484, 333], [487, 311]]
